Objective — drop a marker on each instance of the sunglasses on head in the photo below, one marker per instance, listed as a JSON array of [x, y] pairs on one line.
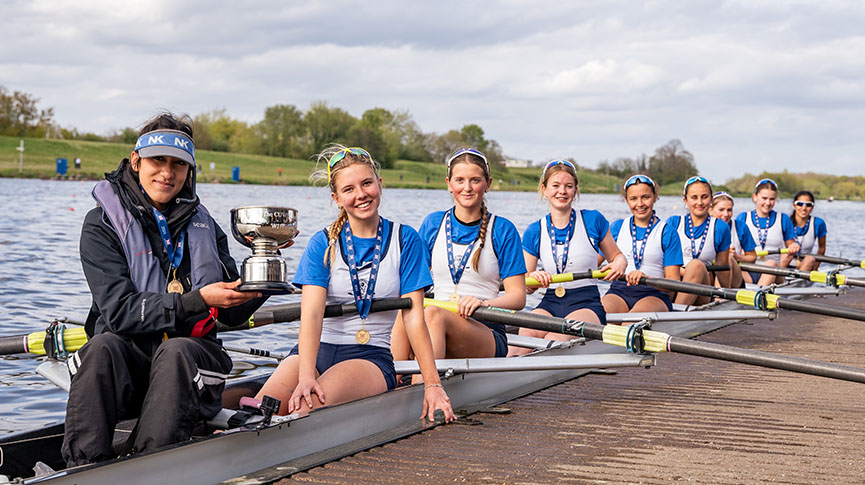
[[336, 157], [557, 162], [721, 193], [804, 203], [471, 151], [639, 179], [695, 179], [766, 181]]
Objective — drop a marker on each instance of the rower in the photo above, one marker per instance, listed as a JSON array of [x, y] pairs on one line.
[[704, 239], [742, 246], [567, 240], [771, 230], [159, 272], [809, 230], [471, 252], [360, 255], [651, 247]]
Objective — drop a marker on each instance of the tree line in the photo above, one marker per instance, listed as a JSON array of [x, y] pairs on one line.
[[671, 163]]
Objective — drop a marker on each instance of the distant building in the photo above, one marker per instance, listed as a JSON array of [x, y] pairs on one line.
[[516, 163]]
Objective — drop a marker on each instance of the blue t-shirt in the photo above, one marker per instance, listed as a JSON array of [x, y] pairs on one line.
[[787, 229], [722, 232], [746, 240], [819, 228], [506, 240], [413, 268], [596, 228], [670, 243]]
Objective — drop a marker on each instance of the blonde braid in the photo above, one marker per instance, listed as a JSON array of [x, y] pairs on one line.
[[333, 235], [482, 234]]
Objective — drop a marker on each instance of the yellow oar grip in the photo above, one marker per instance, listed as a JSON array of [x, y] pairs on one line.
[[446, 305], [618, 334], [565, 277], [862, 264], [765, 252], [73, 339], [747, 297], [597, 274], [818, 277]]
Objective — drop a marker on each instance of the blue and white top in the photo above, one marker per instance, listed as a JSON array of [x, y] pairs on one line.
[[807, 236], [741, 237], [590, 227], [501, 256], [767, 232], [402, 269], [710, 238], [663, 247]]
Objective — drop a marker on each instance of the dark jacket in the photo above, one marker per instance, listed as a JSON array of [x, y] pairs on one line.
[[117, 306]]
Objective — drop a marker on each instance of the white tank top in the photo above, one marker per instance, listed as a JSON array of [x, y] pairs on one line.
[[341, 330], [708, 253], [482, 284], [653, 256], [806, 241], [734, 237], [774, 236], [581, 254]]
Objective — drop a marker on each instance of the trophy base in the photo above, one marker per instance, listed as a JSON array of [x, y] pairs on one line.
[[267, 287]]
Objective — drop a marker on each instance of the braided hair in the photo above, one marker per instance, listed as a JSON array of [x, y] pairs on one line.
[[351, 157], [469, 157]]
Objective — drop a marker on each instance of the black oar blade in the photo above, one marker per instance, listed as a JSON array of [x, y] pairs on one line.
[[765, 359]]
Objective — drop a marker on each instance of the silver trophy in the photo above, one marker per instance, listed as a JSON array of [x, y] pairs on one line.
[[264, 229]]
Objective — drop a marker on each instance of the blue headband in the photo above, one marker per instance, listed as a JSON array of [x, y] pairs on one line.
[[170, 143]]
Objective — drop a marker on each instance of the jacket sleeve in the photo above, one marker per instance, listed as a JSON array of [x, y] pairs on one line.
[[124, 310]]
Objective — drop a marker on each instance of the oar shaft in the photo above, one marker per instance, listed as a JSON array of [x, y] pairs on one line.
[[291, 311], [774, 270], [15, 344], [765, 359], [766, 252], [836, 260], [717, 268]]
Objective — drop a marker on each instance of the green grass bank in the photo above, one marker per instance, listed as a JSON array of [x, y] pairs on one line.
[[98, 157]]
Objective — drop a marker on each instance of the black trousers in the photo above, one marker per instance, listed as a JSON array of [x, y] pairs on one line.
[[172, 392]]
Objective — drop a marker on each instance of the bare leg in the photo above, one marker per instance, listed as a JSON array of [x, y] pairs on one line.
[[808, 263], [614, 304], [694, 272], [282, 382], [455, 337], [347, 381], [768, 279], [649, 304]]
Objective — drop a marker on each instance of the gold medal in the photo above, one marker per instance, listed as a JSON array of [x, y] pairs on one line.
[[175, 286], [454, 298], [560, 291], [362, 336]]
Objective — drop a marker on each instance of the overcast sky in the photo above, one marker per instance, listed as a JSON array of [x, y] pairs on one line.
[[745, 85]]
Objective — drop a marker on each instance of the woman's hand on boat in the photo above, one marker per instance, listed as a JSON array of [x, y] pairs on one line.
[[633, 278], [225, 295], [436, 398], [793, 249], [306, 387], [468, 304], [616, 268]]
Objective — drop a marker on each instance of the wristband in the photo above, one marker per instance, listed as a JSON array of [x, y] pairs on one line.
[[433, 385]]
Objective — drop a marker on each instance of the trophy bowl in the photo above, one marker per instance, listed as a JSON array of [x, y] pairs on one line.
[[264, 229]]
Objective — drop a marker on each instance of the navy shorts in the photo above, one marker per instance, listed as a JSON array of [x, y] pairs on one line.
[[332, 354], [587, 297], [501, 338], [755, 277], [633, 294]]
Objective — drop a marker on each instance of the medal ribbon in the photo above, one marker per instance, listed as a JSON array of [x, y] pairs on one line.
[[762, 232], [456, 270], [801, 234], [552, 232], [363, 300], [175, 253], [689, 227], [638, 257]]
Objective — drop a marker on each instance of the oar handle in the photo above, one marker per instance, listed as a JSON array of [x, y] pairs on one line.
[[766, 252], [566, 277], [717, 268], [290, 312]]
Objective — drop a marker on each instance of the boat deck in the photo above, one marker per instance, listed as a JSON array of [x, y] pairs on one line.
[[688, 419]]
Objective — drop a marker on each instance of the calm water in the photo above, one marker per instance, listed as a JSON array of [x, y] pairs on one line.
[[41, 278]]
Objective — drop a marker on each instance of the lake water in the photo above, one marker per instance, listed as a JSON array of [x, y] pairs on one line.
[[41, 277]]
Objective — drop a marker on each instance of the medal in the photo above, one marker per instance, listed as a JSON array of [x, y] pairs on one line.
[[638, 257], [363, 297], [174, 286], [362, 336], [551, 231], [801, 234], [456, 269]]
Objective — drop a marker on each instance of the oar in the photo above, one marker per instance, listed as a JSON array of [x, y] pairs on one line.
[[566, 277], [831, 278], [758, 299], [717, 268], [74, 338], [836, 260], [639, 340], [766, 252]]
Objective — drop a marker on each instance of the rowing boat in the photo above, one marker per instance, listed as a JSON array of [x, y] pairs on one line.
[[295, 443]]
